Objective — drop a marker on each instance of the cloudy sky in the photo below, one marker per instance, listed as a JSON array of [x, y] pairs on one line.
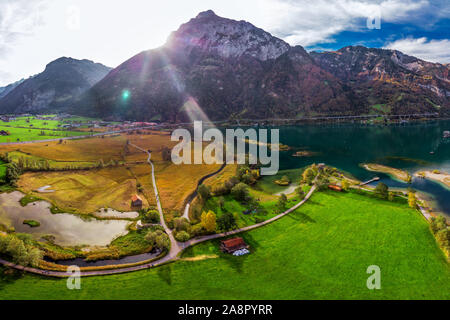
[[35, 32]]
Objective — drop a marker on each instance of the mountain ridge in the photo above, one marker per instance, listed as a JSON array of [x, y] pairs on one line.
[[52, 89]]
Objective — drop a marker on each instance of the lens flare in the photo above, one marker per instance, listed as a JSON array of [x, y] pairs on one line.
[[125, 95]]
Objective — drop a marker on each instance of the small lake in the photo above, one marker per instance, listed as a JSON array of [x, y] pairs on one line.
[[68, 229]]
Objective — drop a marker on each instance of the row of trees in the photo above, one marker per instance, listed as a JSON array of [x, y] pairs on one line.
[[20, 249], [441, 232]]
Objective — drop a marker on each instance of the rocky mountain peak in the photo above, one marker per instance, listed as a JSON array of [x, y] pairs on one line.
[[206, 14], [226, 37]]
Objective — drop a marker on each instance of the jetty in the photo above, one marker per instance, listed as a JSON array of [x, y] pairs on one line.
[[370, 181]]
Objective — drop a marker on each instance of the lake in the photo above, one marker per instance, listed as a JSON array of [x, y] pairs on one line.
[[68, 229], [347, 145]]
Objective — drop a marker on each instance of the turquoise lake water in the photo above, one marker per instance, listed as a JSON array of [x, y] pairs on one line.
[[347, 145]]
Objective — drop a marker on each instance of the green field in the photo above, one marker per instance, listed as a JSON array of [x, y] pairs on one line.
[[24, 134], [321, 251]]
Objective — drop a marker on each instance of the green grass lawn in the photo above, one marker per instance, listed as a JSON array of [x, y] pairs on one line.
[[321, 251], [24, 134]]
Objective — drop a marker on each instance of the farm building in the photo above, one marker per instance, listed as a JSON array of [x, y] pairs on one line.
[[334, 187], [136, 201], [232, 245]]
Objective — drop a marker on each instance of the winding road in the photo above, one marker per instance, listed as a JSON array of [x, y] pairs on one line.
[[176, 247]]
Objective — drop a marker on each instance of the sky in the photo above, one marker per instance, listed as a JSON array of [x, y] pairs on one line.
[[36, 32]]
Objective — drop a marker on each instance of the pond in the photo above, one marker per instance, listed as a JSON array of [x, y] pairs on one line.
[[68, 229]]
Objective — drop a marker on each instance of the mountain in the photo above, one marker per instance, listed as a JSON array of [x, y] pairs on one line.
[[61, 81], [7, 89], [222, 68], [388, 80], [225, 69]]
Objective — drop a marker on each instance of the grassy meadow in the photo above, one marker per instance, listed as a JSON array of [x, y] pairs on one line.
[[24, 134], [321, 251]]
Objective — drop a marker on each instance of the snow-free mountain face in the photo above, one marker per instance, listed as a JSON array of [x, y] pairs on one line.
[[226, 38], [7, 89], [225, 68], [62, 80], [389, 79]]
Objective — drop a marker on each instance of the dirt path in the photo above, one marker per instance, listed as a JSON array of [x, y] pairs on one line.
[[176, 247]]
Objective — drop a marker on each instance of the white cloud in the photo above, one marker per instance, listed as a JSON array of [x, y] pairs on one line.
[[18, 19], [310, 22], [429, 50]]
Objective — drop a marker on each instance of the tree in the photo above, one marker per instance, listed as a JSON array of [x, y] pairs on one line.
[[182, 236], [308, 176], [412, 200], [300, 193], [13, 172], [391, 196], [209, 221], [181, 224], [240, 192], [221, 202], [163, 241], [226, 221], [382, 190], [34, 257], [151, 216], [17, 250], [151, 236], [282, 201], [438, 224], [345, 184], [204, 191]]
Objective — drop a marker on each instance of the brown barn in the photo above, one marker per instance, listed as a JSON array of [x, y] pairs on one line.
[[232, 245], [335, 187], [136, 201]]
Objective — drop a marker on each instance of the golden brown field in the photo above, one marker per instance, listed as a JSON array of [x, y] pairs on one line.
[[86, 191], [93, 149]]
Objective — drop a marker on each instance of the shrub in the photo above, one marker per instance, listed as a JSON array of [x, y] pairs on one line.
[[182, 236], [209, 221], [345, 184], [158, 239], [151, 216], [282, 201], [204, 192], [181, 224], [198, 230], [226, 221], [240, 192], [382, 190]]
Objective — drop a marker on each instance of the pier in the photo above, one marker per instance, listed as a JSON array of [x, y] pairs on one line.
[[370, 181]]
